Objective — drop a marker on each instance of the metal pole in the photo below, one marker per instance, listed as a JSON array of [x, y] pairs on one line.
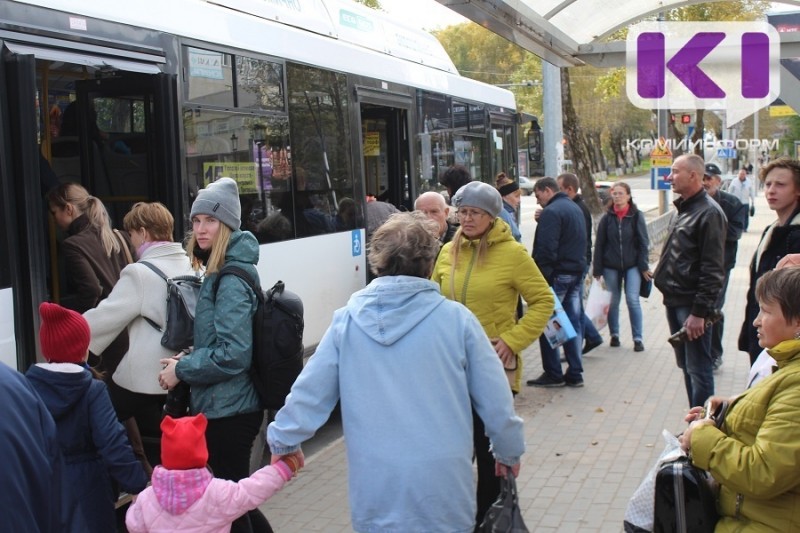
[[552, 127]]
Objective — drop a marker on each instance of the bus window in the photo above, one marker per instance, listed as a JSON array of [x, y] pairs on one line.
[[253, 150], [209, 77], [259, 84], [321, 149]]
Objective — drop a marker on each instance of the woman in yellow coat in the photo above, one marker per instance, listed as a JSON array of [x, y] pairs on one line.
[[755, 454], [485, 269]]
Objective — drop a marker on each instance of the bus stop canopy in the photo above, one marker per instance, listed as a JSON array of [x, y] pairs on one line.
[[572, 32]]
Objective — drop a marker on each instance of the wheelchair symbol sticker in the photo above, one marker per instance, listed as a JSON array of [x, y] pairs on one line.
[[356, 235]]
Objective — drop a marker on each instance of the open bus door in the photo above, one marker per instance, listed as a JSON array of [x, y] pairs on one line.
[[385, 147], [23, 269], [118, 139]]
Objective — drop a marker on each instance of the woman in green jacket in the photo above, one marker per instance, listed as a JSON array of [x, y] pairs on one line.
[[485, 269], [217, 368], [755, 454]]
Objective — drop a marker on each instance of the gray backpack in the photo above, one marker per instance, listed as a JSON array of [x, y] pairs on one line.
[[182, 291]]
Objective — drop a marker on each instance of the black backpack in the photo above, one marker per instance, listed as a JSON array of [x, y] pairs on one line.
[[182, 291], [277, 338]]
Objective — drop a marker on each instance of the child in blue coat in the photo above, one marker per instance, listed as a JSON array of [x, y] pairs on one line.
[[93, 443]]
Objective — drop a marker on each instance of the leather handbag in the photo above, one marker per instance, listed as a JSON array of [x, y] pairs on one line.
[[504, 516], [646, 287]]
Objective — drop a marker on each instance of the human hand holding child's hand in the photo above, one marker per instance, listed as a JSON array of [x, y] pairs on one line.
[[295, 461]]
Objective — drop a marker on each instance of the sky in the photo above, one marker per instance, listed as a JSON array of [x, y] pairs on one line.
[[428, 14]]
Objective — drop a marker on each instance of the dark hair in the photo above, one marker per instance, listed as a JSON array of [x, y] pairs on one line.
[[454, 178], [783, 288], [546, 183], [568, 179], [627, 190]]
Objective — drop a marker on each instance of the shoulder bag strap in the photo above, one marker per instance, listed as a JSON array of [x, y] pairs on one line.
[[239, 273], [164, 277], [124, 244]]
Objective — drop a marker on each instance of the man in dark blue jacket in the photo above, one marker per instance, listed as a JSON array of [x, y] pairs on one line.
[[559, 249], [736, 213], [30, 479]]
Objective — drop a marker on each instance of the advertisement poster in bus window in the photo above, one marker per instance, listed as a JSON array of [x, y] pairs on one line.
[[243, 173]]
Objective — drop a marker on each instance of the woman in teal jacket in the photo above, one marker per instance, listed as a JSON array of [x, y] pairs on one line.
[[217, 369], [755, 453]]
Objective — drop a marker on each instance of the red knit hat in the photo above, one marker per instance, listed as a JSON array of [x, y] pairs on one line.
[[183, 442], [64, 334]]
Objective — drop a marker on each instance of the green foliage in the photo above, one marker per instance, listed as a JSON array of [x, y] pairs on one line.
[[373, 4]]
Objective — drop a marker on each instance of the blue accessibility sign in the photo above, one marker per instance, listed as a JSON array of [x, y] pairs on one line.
[[357, 247]]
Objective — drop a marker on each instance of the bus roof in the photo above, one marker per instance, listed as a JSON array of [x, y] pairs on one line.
[[335, 34]]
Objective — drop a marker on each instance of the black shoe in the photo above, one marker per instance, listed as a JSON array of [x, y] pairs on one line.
[[591, 345], [574, 382], [717, 362], [638, 346], [614, 341], [545, 381]]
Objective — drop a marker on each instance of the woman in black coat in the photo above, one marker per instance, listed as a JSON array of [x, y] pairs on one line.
[[620, 255]]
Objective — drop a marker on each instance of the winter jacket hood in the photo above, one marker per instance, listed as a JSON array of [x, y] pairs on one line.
[[391, 306], [61, 385], [177, 490]]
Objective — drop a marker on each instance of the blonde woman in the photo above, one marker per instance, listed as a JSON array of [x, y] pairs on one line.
[[487, 271], [217, 369]]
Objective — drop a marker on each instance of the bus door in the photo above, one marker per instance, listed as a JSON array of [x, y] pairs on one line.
[[503, 144], [385, 150], [23, 262]]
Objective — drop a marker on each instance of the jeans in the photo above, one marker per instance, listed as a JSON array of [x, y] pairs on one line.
[[633, 281], [694, 358], [568, 289]]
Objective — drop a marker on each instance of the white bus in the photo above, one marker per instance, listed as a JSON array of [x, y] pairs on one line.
[[311, 105]]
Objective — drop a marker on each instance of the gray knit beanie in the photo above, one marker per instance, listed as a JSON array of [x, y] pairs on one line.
[[221, 201], [480, 195]]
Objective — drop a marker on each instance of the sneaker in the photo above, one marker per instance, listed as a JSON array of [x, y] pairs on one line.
[[574, 382], [717, 363], [638, 346], [546, 381], [614, 341], [591, 345]]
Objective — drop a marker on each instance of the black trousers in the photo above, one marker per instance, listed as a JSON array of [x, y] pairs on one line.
[[488, 483], [230, 440]]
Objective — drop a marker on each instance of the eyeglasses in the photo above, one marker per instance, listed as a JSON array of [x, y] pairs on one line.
[[471, 213]]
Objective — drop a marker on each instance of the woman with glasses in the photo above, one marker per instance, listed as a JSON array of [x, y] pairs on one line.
[[485, 269], [621, 251]]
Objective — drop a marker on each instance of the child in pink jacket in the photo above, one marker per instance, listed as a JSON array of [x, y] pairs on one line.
[[185, 496]]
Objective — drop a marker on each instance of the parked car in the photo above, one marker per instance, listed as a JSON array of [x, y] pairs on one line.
[[603, 190], [526, 185]]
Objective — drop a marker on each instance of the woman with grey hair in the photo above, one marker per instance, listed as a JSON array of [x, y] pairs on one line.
[[388, 356]]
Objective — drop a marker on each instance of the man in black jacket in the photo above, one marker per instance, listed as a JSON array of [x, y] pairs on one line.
[[690, 273], [559, 249], [736, 213]]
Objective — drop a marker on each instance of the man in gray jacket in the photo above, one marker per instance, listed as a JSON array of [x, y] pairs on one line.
[[690, 273]]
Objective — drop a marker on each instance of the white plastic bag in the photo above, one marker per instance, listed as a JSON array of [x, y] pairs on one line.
[[640, 513], [597, 304]]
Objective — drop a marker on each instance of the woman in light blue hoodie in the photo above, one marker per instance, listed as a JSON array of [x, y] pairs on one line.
[[407, 365]]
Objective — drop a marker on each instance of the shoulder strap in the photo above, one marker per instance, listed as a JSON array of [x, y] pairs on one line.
[[124, 245], [155, 269], [239, 273]]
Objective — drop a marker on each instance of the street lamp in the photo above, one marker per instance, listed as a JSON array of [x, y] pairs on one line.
[[234, 143]]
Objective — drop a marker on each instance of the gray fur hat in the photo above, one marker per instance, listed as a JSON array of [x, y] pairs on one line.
[[221, 201], [480, 195]]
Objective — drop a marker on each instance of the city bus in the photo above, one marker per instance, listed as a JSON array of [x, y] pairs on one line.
[[312, 106]]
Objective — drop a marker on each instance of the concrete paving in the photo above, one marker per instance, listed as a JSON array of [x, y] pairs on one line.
[[587, 449]]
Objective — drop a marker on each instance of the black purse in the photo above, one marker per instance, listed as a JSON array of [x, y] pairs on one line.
[[504, 515]]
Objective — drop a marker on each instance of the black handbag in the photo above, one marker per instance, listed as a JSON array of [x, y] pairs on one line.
[[504, 515], [646, 287]]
